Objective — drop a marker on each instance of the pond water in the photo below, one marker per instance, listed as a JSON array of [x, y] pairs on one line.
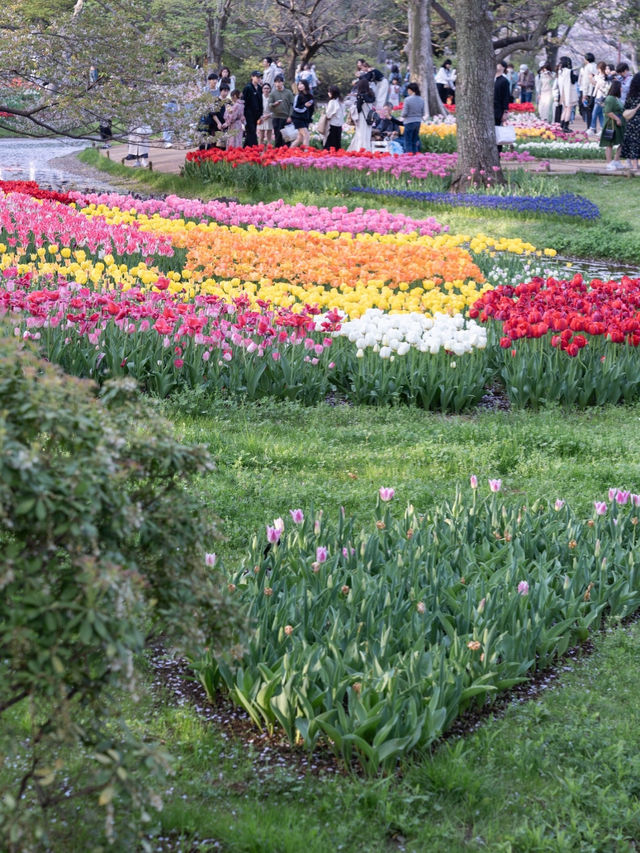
[[600, 269], [30, 160]]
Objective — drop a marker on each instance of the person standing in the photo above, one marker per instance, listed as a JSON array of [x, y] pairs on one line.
[[359, 112], [585, 86], [526, 82], [613, 121], [630, 149], [501, 97], [265, 122], [546, 79], [252, 97], [445, 83], [623, 74], [227, 77], [280, 104], [234, 120], [270, 69], [412, 113], [567, 92], [600, 89], [335, 117]]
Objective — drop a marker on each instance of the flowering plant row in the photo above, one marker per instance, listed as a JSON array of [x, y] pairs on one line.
[[565, 341], [275, 214], [567, 204], [374, 640], [315, 168], [33, 189]]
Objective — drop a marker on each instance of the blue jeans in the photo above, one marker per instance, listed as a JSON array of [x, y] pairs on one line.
[[597, 114], [526, 96], [411, 137]]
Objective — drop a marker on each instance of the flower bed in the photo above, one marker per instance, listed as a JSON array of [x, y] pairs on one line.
[[32, 189], [567, 204], [313, 168], [565, 341], [376, 639], [275, 214]]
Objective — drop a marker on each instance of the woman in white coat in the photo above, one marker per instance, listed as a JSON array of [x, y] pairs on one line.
[[359, 111], [568, 94]]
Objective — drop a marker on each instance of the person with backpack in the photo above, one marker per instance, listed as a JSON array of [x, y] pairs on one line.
[[363, 115]]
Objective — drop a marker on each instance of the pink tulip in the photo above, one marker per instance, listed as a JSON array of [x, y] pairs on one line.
[[321, 554], [297, 515], [495, 485], [210, 559], [273, 534], [559, 504], [600, 507], [523, 588], [473, 481], [386, 494]]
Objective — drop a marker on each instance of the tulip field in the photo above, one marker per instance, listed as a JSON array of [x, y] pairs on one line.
[[422, 496], [295, 303]]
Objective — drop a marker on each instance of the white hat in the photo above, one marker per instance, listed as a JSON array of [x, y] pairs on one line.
[[524, 68]]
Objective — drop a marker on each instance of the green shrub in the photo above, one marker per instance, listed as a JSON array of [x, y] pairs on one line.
[[102, 545]]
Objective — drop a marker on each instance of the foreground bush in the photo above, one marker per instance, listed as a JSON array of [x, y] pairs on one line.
[[377, 639], [102, 545]]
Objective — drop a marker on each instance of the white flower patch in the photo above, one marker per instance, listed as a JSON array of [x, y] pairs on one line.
[[397, 334]]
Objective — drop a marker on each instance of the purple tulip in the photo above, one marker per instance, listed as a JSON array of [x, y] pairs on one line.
[[297, 515]]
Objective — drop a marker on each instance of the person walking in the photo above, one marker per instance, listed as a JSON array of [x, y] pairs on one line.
[[600, 89], [412, 113], [280, 104], [335, 117], [252, 98], [302, 113]]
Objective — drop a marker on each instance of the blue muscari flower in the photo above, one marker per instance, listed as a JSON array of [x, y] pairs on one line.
[[567, 204]]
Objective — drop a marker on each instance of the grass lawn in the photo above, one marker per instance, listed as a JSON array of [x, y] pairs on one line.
[[557, 773]]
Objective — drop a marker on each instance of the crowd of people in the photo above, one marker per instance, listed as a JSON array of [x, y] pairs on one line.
[[266, 112], [602, 93]]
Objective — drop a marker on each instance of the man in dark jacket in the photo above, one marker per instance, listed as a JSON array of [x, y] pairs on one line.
[[252, 97], [501, 96]]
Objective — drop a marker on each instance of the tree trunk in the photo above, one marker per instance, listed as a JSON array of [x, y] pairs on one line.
[[419, 54], [216, 17], [552, 47], [478, 158]]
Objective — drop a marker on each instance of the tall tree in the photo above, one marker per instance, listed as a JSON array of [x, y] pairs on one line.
[[45, 85], [420, 54], [303, 28], [478, 158]]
